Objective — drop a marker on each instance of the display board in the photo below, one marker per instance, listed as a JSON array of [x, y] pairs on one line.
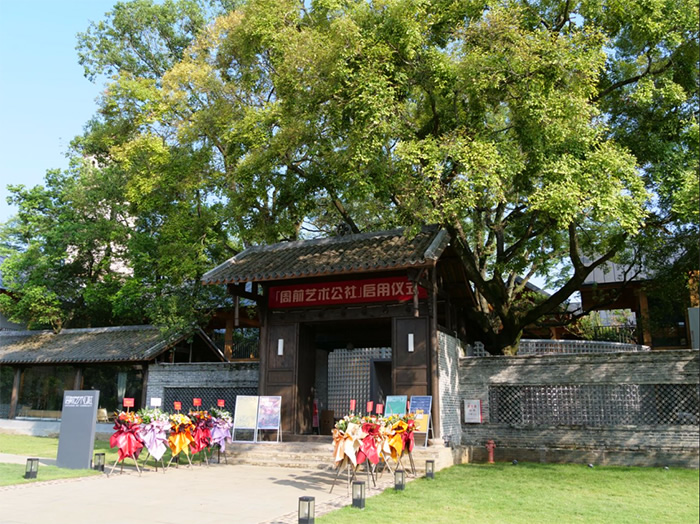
[[269, 415], [246, 415], [395, 405], [421, 406], [269, 409], [76, 439]]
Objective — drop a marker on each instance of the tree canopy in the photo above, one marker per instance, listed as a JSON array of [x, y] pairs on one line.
[[548, 137]]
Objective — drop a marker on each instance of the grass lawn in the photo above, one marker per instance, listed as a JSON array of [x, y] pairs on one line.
[[537, 493], [14, 474], [47, 447]]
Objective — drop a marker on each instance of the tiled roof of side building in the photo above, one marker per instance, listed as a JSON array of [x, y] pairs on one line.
[[92, 345], [342, 255]]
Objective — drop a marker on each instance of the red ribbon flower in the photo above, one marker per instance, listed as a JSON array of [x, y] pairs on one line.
[[126, 440]]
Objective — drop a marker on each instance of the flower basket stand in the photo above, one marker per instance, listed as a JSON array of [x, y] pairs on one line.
[[148, 455], [133, 457]]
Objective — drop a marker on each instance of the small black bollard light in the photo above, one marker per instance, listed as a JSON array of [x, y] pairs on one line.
[[98, 463], [358, 494], [430, 469], [32, 468], [307, 510], [399, 480]]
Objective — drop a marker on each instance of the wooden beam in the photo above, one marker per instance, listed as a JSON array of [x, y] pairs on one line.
[[434, 359], [238, 290], [144, 385], [14, 398], [78, 380], [228, 339]]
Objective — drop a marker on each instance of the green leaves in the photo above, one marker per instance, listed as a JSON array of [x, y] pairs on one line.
[[536, 132]]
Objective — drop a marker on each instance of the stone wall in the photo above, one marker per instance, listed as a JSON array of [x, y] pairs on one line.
[[201, 375], [672, 443]]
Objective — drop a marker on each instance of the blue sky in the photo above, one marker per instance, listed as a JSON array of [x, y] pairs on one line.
[[44, 98]]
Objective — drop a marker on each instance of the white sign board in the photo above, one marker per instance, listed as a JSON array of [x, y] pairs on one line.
[[472, 411]]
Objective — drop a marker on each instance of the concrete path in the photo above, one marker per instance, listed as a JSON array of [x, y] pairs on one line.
[[203, 494]]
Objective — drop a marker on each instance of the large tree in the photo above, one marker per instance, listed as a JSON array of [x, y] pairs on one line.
[[545, 136], [100, 243]]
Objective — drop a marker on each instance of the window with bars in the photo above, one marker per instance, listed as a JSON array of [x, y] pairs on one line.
[[595, 404]]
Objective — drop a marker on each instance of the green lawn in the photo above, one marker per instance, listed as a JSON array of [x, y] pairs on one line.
[[537, 493], [14, 474], [47, 447]]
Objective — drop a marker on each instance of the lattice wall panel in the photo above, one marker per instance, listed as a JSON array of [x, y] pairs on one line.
[[349, 375], [209, 397], [595, 404]]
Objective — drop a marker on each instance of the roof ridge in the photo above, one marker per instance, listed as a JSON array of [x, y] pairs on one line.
[[23, 332], [341, 239], [68, 331]]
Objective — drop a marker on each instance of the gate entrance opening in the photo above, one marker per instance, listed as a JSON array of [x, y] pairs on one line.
[[346, 354]]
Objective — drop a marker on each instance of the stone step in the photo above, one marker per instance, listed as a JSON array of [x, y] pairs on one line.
[[312, 455]]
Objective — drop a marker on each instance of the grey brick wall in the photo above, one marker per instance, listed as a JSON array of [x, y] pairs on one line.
[[201, 375], [449, 354], [656, 367]]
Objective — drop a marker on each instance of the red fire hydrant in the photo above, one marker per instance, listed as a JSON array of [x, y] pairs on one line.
[[490, 446]]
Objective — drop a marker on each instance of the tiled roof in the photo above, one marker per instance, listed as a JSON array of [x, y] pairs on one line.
[[349, 254], [72, 346]]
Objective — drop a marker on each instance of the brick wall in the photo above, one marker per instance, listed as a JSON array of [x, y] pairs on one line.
[[658, 444], [449, 354], [201, 375]]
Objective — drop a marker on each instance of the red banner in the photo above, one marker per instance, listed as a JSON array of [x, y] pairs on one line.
[[220, 403], [390, 289], [177, 406], [196, 402], [128, 402]]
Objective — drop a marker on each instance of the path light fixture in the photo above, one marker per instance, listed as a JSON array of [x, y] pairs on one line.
[[358, 494], [430, 469], [399, 479], [98, 463], [32, 468], [307, 510]]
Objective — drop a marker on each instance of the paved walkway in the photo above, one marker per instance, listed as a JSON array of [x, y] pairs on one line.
[[203, 494]]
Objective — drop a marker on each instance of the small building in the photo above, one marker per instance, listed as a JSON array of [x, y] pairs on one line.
[[36, 367], [352, 317], [614, 287]]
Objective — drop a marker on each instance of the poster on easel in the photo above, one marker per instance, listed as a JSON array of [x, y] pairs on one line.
[[269, 415], [245, 416], [395, 405], [422, 406]]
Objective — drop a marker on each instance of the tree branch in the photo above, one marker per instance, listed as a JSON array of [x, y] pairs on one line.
[[635, 78]]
